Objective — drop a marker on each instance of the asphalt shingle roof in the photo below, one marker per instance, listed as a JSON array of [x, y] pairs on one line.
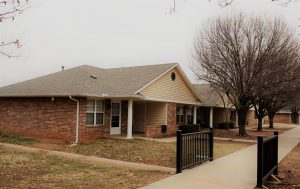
[[209, 95], [78, 82]]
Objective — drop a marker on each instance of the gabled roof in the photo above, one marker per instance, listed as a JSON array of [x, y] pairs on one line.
[[209, 95], [89, 81]]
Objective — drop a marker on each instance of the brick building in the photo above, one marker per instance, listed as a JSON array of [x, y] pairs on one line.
[[84, 103]]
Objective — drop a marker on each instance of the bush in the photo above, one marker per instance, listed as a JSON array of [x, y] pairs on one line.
[[190, 128], [224, 125]]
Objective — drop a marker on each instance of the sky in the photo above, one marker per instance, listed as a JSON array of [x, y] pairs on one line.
[[115, 33]]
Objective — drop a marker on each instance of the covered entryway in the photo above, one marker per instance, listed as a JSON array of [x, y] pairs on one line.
[[139, 117]]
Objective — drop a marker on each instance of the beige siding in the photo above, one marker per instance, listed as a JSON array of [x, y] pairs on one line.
[[155, 113], [166, 89]]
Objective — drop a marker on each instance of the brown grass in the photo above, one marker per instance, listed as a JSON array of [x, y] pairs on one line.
[[289, 171], [26, 170], [252, 131], [135, 150]]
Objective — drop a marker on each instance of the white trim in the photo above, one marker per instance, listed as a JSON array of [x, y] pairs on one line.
[[195, 115], [211, 117], [120, 112], [284, 112], [95, 112], [155, 79], [173, 101], [129, 118]]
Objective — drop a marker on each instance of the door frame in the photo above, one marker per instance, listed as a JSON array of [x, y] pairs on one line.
[[115, 130]]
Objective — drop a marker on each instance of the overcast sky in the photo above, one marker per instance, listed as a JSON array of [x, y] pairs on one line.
[[115, 33]]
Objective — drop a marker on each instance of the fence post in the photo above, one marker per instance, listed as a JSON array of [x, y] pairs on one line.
[[211, 144], [260, 141], [179, 152], [276, 153]]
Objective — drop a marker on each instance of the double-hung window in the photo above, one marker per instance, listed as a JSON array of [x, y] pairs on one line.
[[95, 112], [179, 114], [190, 115]]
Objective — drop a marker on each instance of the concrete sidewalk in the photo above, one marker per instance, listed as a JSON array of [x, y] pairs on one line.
[[235, 171]]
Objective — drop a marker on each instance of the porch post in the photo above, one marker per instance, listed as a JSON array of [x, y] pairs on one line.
[[195, 115], [236, 124], [129, 123], [211, 112]]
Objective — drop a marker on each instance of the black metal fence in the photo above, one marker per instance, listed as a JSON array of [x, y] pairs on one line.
[[193, 149], [267, 158]]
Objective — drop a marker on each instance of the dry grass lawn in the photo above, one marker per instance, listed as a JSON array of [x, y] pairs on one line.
[[289, 171], [135, 150], [26, 170], [252, 131]]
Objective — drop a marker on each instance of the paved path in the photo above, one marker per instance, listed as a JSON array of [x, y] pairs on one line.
[[89, 159], [235, 171]]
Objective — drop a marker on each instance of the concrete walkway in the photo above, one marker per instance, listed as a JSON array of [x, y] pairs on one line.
[[235, 171], [89, 159]]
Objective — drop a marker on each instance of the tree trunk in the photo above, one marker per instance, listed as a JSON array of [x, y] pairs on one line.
[[242, 114], [271, 121], [260, 124]]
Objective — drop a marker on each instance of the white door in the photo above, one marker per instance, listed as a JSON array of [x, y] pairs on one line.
[[115, 126]]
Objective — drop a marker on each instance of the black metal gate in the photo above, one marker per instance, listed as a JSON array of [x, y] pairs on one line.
[[193, 149], [267, 158]]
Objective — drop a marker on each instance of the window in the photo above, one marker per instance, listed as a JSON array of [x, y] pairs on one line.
[[95, 112], [179, 114], [190, 115]]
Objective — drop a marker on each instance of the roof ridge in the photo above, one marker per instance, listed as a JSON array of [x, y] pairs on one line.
[[141, 66]]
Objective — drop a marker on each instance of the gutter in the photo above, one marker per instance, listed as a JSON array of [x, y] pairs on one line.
[[77, 119]]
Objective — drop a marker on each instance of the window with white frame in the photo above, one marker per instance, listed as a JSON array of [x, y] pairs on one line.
[[190, 115], [95, 112], [179, 114]]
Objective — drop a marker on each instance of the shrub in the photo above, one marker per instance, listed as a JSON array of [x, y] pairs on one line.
[[224, 125], [190, 128]]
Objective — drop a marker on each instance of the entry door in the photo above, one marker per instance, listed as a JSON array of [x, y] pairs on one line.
[[139, 117], [115, 127]]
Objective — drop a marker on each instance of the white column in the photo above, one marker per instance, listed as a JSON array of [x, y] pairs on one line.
[[211, 112], [195, 115], [129, 123], [236, 124]]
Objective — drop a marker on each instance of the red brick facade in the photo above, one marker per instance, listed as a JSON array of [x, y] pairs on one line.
[[280, 118], [42, 118], [171, 119], [55, 119]]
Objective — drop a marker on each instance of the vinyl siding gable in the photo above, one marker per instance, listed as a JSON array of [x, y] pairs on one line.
[[166, 89]]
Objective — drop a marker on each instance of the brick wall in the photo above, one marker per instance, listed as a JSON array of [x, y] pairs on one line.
[[171, 119], [280, 118], [42, 118]]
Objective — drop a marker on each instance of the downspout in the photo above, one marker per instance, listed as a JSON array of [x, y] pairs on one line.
[[77, 118]]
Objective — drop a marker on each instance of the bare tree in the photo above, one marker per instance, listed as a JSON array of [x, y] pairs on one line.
[[231, 53], [279, 67], [9, 9]]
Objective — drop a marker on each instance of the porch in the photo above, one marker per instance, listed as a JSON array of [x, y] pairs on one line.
[[212, 116], [144, 118]]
